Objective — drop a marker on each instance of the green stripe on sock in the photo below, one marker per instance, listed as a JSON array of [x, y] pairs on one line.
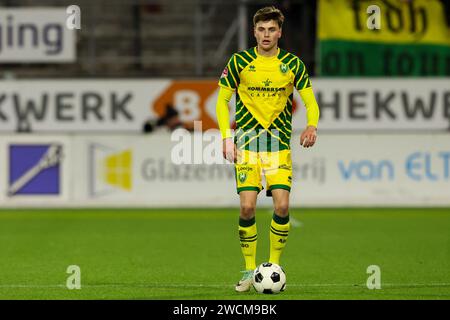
[[278, 234], [280, 220], [280, 231], [246, 223], [248, 238]]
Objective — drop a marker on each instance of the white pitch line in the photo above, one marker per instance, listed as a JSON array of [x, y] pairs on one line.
[[154, 285]]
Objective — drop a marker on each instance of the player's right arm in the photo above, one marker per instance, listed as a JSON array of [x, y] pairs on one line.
[[228, 83], [223, 119]]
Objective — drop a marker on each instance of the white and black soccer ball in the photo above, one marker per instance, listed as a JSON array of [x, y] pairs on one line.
[[269, 278]]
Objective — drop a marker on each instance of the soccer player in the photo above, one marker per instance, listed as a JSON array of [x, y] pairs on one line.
[[263, 78]]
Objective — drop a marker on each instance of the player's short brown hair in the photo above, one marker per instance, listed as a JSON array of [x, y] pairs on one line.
[[268, 13]]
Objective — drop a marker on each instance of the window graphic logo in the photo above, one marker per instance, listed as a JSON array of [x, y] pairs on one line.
[[111, 170], [34, 169]]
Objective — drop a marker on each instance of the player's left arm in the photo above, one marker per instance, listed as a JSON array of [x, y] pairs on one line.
[[303, 85], [309, 135]]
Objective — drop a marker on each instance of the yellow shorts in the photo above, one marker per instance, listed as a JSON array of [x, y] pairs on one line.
[[276, 167]]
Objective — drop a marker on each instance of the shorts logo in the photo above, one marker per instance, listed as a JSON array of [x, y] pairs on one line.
[[284, 68], [242, 176], [245, 168], [34, 169], [285, 167]]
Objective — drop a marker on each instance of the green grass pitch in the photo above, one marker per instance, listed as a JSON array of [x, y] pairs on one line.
[[195, 253]]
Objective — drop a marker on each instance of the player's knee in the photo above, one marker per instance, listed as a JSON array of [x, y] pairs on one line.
[[248, 210], [282, 209]]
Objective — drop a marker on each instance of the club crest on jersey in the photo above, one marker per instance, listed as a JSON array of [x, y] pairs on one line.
[[242, 176], [284, 68], [224, 73]]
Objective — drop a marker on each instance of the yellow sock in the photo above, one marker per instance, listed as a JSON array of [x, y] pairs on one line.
[[279, 230], [248, 240]]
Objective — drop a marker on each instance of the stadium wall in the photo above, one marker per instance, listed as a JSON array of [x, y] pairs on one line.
[[131, 170]]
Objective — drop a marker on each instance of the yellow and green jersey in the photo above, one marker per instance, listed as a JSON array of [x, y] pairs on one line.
[[264, 92]]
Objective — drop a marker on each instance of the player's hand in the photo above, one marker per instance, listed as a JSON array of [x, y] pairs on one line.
[[229, 150], [308, 137]]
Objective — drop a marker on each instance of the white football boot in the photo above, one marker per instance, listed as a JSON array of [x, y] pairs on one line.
[[245, 283]]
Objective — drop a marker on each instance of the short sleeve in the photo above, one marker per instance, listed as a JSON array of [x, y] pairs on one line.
[[230, 75], [301, 77]]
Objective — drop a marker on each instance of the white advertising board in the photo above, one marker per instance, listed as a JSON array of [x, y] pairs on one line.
[[148, 171], [374, 170], [77, 106], [342, 170], [119, 105], [139, 171], [36, 35]]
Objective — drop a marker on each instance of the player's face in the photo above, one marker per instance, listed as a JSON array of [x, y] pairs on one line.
[[267, 34]]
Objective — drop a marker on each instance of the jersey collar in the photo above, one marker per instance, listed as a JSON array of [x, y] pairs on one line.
[[266, 58]]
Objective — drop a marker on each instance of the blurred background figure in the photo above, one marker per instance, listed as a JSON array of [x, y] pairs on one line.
[[170, 121]]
